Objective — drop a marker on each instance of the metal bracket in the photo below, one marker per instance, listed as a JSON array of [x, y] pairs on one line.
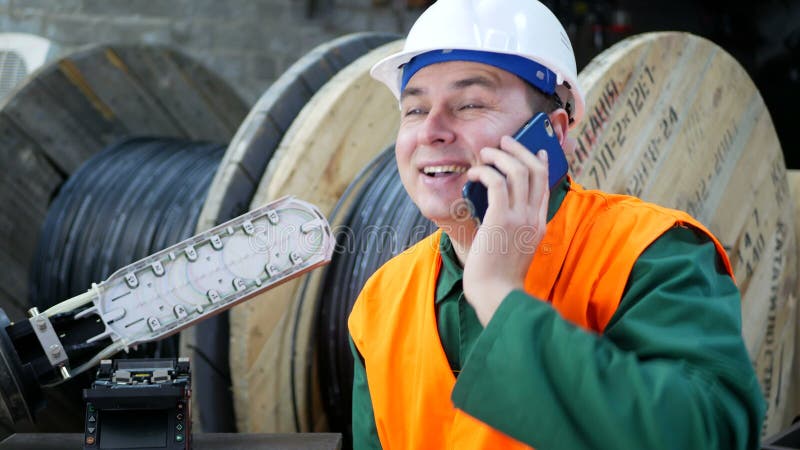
[[49, 341]]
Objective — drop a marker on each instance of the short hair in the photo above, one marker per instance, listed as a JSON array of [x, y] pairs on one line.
[[541, 102]]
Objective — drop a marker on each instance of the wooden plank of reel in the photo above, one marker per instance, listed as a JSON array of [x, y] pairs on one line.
[[69, 110], [260, 133], [675, 120], [235, 182]]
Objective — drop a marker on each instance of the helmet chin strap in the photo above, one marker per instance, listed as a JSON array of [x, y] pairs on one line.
[[568, 105]]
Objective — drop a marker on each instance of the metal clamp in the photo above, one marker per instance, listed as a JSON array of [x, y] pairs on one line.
[[49, 341]]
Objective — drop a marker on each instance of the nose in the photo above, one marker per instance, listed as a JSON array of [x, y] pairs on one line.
[[436, 129]]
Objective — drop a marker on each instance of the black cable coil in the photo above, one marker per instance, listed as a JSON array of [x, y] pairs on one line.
[[134, 198], [381, 222]]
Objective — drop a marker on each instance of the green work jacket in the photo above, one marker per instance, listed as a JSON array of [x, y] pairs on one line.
[[670, 370]]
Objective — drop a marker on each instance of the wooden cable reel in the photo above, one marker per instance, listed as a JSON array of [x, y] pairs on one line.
[[341, 128], [258, 136], [673, 119], [378, 220], [241, 170], [72, 108], [793, 177]]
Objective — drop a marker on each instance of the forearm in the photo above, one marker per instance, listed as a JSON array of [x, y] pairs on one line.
[[669, 371], [580, 391]]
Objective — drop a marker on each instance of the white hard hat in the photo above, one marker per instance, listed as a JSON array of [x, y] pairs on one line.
[[522, 28]]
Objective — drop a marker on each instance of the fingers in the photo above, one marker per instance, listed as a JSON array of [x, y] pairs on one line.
[[536, 162], [517, 177], [526, 173], [513, 147], [496, 186], [540, 186]]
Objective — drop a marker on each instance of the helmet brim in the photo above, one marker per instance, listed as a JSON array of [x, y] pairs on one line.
[[389, 71]]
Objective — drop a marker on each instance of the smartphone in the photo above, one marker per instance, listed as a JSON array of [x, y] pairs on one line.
[[536, 134]]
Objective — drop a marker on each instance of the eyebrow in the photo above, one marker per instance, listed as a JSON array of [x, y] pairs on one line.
[[474, 81], [478, 80], [411, 92]]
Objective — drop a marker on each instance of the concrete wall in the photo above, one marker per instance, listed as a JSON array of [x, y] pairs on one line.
[[249, 42]]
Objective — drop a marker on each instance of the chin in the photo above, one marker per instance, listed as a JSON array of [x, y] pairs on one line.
[[434, 213], [445, 212]]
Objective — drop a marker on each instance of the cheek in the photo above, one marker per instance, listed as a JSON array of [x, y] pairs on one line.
[[404, 146], [478, 138]]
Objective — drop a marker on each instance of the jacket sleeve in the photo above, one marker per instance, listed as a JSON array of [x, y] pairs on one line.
[[365, 433], [670, 371]]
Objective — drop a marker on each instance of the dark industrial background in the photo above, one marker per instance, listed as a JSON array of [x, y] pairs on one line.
[[251, 42]]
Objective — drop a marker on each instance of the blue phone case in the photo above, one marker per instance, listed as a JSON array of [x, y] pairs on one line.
[[535, 135]]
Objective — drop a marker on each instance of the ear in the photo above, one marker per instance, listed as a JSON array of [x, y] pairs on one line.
[[560, 121]]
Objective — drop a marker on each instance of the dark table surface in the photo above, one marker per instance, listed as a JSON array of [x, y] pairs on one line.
[[200, 441]]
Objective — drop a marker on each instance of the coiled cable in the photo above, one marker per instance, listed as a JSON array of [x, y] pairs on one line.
[[132, 199]]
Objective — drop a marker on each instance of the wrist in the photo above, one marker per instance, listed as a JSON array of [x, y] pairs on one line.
[[487, 297]]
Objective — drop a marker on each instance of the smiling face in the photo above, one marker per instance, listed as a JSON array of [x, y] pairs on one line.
[[449, 112]]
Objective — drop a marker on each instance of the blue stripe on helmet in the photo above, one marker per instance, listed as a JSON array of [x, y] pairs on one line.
[[534, 73]]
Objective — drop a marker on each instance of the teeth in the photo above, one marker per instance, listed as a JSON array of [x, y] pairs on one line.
[[444, 169]]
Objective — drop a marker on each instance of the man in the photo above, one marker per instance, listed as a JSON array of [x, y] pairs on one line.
[[568, 319]]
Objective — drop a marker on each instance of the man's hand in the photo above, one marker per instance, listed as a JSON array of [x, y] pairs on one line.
[[513, 227]]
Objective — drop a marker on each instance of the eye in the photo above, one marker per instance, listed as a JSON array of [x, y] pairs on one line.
[[471, 106], [413, 111]]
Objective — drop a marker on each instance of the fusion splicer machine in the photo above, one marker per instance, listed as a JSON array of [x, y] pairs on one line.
[[139, 403]]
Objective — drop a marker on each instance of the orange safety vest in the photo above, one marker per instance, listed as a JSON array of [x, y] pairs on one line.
[[581, 267]]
